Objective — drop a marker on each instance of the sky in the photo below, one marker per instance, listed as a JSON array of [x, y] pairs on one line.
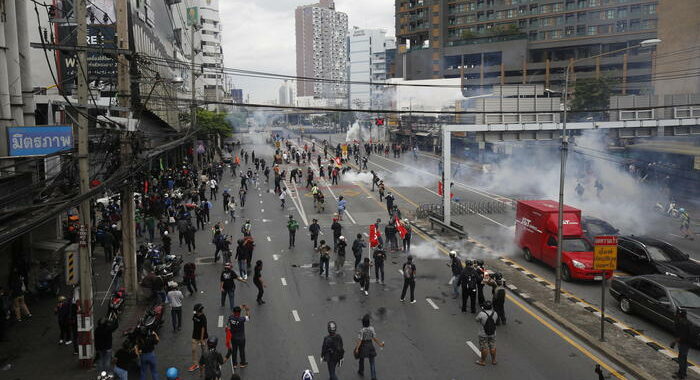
[[259, 35]]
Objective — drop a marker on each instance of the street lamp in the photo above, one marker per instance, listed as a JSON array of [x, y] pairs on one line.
[[564, 152]]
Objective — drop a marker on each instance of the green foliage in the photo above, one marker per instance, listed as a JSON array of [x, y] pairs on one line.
[[212, 122], [592, 94]]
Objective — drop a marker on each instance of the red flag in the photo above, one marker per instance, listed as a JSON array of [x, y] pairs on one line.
[[440, 190], [373, 236], [338, 162], [401, 228]]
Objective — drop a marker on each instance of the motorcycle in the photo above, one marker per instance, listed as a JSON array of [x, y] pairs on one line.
[[671, 210], [116, 304], [48, 283], [151, 321]]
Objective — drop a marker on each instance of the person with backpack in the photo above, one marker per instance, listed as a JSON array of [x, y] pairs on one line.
[[211, 360], [332, 351], [365, 347], [325, 252], [468, 280], [235, 334], [409, 279], [292, 227], [340, 261], [189, 277], [357, 246], [487, 333]]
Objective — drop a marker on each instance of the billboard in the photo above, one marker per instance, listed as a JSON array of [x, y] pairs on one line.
[[38, 141]]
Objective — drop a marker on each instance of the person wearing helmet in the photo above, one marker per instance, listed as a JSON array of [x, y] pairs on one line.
[[468, 279], [456, 267], [211, 360], [235, 334], [487, 318], [199, 333], [227, 285], [292, 227], [332, 351], [314, 230], [340, 260], [379, 256], [409, 279], [307, 374], [685, 223], [172, 374]]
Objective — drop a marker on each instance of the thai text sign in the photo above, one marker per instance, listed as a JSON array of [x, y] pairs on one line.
[[605, 253], [38, 141]]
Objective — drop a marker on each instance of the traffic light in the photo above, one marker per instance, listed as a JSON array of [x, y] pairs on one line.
[[379, 121]]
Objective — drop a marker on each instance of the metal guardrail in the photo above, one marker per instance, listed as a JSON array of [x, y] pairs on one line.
[[463, 208]]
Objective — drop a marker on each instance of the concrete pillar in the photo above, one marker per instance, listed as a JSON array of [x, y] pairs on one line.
[[447, 177], [13, 68], [25, 65]]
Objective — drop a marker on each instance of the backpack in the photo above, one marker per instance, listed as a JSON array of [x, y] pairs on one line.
[[212, 367], [408, 270], [490, 324]]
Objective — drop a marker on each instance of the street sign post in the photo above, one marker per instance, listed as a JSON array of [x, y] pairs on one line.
[[604, 259]]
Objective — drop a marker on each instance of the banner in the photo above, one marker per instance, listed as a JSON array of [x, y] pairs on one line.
[[38, 141], [401, 228], [373, 236]]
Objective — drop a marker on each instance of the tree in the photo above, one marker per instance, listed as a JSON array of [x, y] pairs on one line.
[[212, 122], [591, 94]]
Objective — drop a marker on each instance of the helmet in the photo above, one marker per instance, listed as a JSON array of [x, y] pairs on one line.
[[307, 375], [172, 373], [453, 253], [236, 309], [332, 327], [498, 276], [198, 307], [342, 238], [468, 262], [405, 220], [487, 305], [212, 342], [172, 284], [681, 209], [409, 258], [480, 262], [165, 233], [61, 298], [291, 216]]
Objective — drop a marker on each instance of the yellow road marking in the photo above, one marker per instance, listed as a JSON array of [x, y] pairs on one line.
[[567, 339]]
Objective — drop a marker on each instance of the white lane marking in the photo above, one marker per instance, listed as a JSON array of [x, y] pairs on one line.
[[432, 303], [400, 271], [305, 266], [297, 202], [276, 257], [268, 239], [312, 362], [260, 202], [262, 210], [221, 321], [284, 281], [474, 348], [296, 315]]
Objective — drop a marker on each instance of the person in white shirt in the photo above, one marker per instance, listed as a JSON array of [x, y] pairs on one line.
[[175, 300], [283, 196], [213, 187]]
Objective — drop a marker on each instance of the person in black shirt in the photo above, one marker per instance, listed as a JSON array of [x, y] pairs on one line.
[[379, 257], [123, 359], [258, 281], [144, 348], [337, 230], [199, 333], [103, 343], [683, 338], [236, 330], [228, 285], [314, 229], [332, 351], [409, 278], [211, 360]]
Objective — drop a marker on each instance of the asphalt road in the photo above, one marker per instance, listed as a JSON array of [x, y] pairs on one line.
[[428, 339], [497, 230]]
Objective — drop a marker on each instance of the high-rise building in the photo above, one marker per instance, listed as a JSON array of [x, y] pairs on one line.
[[321, 51], [212, 53], [496, 42], [367, 66], [675, 68]]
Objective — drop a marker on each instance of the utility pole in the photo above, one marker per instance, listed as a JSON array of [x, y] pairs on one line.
[[193, 109], [127, 193], [85, 326]]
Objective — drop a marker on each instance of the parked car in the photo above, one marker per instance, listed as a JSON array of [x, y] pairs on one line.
[[593, 227], [657, 297], [638, 255]]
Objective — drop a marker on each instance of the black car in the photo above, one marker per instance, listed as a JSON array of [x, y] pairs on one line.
[[593, 227], [644, 255], [657, 297]]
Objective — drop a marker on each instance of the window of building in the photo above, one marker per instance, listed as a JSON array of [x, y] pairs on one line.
[[610, 14], [621, 26], [649, 9], [556, 34], [580, 30], [592, 30], [635, 24], [622, 12], [570, 31], [648, 24], [595, 15], [534, 22], [532, 36], [546, 8], [570, 5], [533, 9], [558, 7], [594, 3], [582, 3], [581, 16], [570, 18]]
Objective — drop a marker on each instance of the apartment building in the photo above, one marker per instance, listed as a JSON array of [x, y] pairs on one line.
[[321, 51], [368, 65], [499, 42]]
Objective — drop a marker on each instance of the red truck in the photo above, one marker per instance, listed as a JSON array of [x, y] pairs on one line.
[[536, 228]]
